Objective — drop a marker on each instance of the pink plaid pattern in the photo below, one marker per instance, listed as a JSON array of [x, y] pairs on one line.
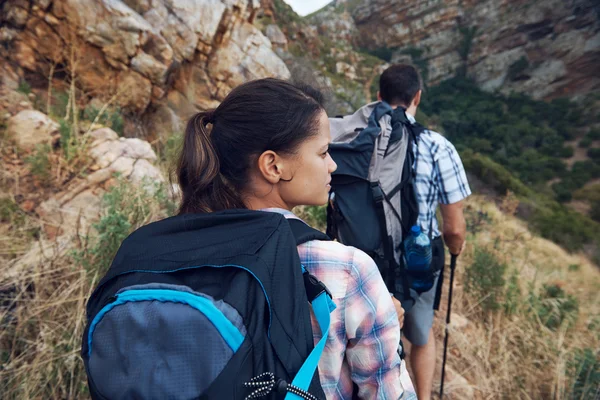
[[364, 335]]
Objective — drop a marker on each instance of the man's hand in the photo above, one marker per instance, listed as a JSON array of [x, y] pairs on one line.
[[399, 310], [456, 252]]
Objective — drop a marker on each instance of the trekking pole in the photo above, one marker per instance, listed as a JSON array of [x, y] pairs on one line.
[[452, 268]]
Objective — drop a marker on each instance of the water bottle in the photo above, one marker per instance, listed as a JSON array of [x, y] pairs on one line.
[[417, 260]]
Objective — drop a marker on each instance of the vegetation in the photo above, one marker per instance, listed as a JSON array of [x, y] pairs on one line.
[[39, 163]]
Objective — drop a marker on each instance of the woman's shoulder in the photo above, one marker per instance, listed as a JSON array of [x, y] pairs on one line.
[[338, 266], [346, 258]]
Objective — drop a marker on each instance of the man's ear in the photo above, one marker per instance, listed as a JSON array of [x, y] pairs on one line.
[[270, 166], [378, 96], [417, 99]]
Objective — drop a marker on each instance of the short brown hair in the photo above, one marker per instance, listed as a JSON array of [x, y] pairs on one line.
[[399, 84]]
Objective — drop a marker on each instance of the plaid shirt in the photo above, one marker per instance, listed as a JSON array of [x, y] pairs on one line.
[[364, 335], [440, 177]]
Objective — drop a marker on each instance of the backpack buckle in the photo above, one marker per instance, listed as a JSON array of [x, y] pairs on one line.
[[377, 192], [314, 287]]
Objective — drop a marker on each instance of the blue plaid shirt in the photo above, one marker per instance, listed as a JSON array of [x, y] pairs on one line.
[[441, 177]]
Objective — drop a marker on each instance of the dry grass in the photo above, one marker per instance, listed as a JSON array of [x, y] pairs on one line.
[[515, 354], [43, 316], [42, 308]]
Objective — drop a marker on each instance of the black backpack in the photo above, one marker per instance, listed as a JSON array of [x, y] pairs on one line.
[[373, 203], [207, 306]]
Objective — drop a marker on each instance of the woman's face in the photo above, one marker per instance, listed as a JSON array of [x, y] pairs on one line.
[[310, 168]]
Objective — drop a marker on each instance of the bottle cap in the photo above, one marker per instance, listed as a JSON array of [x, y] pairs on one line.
[[415, 230]]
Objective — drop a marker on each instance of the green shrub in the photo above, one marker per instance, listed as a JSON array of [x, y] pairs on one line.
[[24, 87], [526, 136], [59, 104], [39, 162], [594, 154], [512, 296], [9, 209], [553, 306], [170, 148], [484, 280], [585, 142], [595, 211], [125, 207], [593, 134], [584, 369], [111, 117], [574, 267]]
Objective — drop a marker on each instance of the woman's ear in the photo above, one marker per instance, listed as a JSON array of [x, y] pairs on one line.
[[270, 166]]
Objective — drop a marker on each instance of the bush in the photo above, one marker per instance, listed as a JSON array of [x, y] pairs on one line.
[[39, 163], [595, 211], [585, 371], [526, 136], [594, 154], [484, 280], [512, 297], [553, 306], [585, 142], [126, 207], [24, 87], [111, 117], [593, 134]]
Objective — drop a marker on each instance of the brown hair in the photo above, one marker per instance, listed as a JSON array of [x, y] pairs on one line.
[[399, 84], [265, 114]]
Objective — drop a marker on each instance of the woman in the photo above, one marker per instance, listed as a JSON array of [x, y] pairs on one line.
[[266, 148]]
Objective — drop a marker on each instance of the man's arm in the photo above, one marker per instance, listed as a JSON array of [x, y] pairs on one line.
[[453, 188], [455, 227]]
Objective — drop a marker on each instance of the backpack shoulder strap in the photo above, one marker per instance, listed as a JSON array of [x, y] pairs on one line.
[[320, 298], [304, 233]]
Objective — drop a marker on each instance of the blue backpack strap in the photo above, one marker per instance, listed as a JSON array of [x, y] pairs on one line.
[[320, 298], [322, 307]]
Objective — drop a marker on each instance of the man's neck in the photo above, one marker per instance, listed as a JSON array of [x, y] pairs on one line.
[[412, 110]]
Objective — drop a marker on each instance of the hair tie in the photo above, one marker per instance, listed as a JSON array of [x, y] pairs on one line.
[[209, 117]]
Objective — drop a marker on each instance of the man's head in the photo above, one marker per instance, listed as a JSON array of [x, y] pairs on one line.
[[400, 85]]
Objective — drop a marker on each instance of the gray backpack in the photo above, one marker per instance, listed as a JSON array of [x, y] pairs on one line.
[[372, 200]]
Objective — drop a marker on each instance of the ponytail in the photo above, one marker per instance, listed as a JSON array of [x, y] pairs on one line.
[[203, 186]]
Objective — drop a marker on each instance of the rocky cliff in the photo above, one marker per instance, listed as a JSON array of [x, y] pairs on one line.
[[158, 60], [547, 49]]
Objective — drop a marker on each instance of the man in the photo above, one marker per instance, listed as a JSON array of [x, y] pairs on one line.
[[440, 179]]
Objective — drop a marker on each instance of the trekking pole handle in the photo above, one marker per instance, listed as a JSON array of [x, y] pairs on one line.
[[453, 258]]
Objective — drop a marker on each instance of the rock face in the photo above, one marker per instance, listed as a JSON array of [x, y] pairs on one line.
[[546, 49], [30, 128], [148, 54], [73, 210]]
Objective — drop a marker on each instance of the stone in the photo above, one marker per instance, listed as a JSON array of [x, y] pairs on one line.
[[27, 206], [276, 36], [146, 173], [162, 121], [247, 55], [30, 128], [37, 257], [346, 69], [74, 216], [151, 68], [457, 386], [13, 102], [135, 91]]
